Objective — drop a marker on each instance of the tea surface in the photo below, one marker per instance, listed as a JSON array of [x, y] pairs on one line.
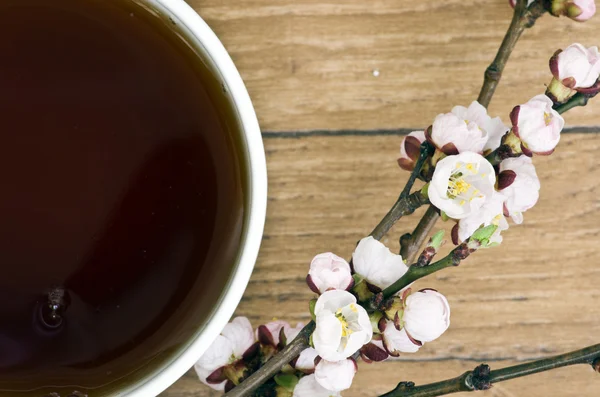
[[120, 189]]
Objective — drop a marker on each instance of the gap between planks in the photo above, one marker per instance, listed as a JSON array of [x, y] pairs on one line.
[[392, 132]]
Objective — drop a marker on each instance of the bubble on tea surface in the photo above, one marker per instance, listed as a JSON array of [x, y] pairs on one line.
[[50, 312]]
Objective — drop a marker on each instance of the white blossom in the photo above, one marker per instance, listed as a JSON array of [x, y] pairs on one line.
[[309, 387], [518, 181], [490, 213], [342, 327], [377, 264], [426, 315], [306, 360], [337, 375], [494, 127], [397, 342], [235, 339], [452, 134], [461, 184]]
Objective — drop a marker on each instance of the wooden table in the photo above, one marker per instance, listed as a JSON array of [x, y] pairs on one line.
[[334, 84]]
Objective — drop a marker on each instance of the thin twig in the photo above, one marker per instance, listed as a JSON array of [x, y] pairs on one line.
[[403, 206], [414, 272], [274, 365], [425, 151], [523, 17], [411, 243], [578, 99], [407, 203], [481, 378]]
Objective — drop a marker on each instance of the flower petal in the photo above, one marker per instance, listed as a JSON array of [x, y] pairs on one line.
[[241, 335], [377, 264], [333, 300], [306, 360], [335, 376], [328, 336], [309, 387]]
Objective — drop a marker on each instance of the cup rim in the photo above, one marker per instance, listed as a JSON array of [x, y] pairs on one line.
[[185, 15]]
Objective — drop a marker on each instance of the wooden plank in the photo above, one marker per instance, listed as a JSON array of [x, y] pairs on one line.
[[533, 296], [309, 64]]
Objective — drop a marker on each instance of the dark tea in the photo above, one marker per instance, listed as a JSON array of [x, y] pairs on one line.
[[122, 194]]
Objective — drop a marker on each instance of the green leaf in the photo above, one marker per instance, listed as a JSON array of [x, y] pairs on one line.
[[287, 381], [357, 278], [311, 308], [425, 191], [374, 318], [437, 239], [360, 289], [483, 234]]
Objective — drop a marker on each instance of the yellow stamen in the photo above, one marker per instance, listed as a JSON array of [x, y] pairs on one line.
[[458, 186], [547, 118], [346, 331]]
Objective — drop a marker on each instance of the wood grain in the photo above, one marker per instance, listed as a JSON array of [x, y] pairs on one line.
[[533, 296], [309, 64]]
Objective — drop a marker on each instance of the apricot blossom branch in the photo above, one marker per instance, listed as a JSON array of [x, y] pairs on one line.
[[481, 378]]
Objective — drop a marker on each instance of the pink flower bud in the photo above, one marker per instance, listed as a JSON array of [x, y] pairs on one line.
[[410, 149], [329, 271], [578, 10], [374, 351], [576, 66], [581, 10], [271, 333], [537, 125]]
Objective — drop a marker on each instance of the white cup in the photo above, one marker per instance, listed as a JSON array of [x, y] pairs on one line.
[[197, 34]]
